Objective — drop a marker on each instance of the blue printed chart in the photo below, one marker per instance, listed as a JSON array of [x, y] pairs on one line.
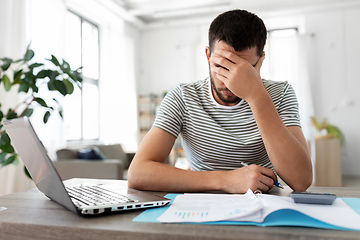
[[211, 207], [191, 215]]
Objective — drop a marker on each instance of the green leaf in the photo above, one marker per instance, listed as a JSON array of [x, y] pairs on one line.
[[15, 161], [42, 74], [24, 87], [46, 116], [41, 102], [11, 114], [29, 55], [66, 66], [1, 115], [53, 74], [35, 65], [51, 85], [7, 83], [6, 64], [4, 139], [9, 160], [5, 59], [69, 86], [34, 87], [29, 76], [27, 172], [28, 112], [17, 76], [2, 156], [7, 148], [54, 60], [60, 86]]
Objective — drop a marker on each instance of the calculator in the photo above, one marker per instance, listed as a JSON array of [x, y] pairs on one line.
[[313, 198]]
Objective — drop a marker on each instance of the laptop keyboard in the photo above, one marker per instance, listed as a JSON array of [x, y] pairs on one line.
[[95, 196]]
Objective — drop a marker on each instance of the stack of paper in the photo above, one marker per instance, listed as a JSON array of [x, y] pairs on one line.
[[253, 208]]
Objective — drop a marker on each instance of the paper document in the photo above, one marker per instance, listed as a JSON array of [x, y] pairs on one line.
[[338, 214], [253, 208], [213, 207]]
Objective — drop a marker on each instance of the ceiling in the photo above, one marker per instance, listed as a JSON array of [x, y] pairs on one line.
[[149, 12]]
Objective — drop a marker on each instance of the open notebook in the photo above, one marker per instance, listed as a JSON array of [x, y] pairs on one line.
[[266, 210]]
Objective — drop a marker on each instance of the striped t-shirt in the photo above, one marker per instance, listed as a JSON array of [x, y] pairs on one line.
[[217, 137]]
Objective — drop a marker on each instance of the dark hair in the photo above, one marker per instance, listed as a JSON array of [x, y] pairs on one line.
[[240, 29]]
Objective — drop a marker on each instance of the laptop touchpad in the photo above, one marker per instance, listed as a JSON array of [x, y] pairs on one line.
[[116, 188]]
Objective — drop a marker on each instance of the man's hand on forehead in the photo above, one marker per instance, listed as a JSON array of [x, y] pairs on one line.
[[237, 73], [234, 57]]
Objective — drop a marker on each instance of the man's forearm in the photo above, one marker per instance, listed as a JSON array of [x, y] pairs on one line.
[[156, 176], [287, 154]]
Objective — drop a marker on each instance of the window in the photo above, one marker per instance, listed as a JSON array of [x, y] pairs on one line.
[[281, 55], [81, 109]]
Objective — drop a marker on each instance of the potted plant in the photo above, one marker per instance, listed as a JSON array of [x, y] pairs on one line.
[[28, 76], [326, 130]]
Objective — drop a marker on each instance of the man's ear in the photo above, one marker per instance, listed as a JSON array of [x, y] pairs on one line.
[[207, 52]]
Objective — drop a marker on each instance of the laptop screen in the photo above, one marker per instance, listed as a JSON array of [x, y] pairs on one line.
[[36, 160]]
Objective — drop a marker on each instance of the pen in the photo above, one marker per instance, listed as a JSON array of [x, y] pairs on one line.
[[278, 184], [275, 182]]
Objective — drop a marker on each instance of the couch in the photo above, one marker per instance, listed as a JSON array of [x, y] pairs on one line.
[[95, 161]]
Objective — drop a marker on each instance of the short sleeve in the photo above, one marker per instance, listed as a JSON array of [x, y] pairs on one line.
[[288, 107], [171, 113]]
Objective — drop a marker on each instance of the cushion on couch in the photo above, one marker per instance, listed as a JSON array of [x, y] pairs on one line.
[[66, 153], [115, 151], [90, 153]]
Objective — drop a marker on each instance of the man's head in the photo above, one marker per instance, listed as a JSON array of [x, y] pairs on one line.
[[239, 32], [240, 29]]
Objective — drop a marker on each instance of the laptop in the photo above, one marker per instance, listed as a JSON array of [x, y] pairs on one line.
[[85, 199]]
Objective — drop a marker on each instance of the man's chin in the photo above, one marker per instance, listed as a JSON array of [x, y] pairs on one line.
[[229, 99]]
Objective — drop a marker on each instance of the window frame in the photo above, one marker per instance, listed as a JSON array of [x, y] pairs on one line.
[[87, 80]]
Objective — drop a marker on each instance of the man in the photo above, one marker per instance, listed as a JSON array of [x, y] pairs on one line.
[[238, 131]]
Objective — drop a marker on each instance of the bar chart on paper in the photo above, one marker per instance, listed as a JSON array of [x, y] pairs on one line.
[[202, 216], [191, 215], [209, 207]]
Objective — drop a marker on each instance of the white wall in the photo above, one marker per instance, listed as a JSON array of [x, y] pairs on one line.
[[172, 54], [13, 43], [118, 87], [336, 76]]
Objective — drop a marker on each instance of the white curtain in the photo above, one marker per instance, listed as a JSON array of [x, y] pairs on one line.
[[13, 42]]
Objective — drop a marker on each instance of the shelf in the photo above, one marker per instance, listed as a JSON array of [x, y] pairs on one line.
[[325, 154], [147, 108]]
